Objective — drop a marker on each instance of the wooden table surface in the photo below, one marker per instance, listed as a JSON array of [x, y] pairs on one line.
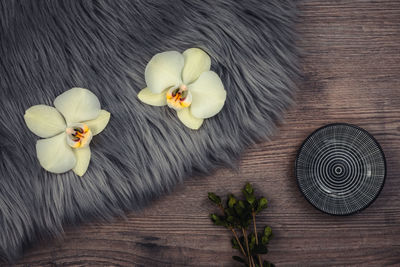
[[352, 74]]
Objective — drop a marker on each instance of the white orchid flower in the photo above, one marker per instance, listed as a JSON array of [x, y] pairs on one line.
[[185, 83], [68, 129]]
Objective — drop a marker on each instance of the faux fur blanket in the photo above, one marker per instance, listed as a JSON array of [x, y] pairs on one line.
[[47, 47]]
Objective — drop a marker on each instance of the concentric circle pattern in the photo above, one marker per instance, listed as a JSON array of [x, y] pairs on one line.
[[340, 169]]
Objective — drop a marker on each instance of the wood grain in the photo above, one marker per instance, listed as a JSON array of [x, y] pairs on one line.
[[352, 74]]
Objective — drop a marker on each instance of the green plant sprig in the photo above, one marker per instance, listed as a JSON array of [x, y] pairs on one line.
[[240, 214]]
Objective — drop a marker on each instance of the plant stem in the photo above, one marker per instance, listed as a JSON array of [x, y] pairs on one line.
[[254, 225], [247, 246], [252, 261], [255, 231], [234, 232], [237, 239]]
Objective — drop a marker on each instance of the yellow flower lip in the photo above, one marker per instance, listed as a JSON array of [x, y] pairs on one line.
[[179, 97], [78, 135]]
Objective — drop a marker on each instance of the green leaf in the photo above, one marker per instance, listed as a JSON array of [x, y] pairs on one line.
[[264, 240], [217, 220], [230, 219], [239, 207], [268, 264], [248, 189], [260, 249], [214, 198], [251, 199], [231, 201], [239, 259], [267, 231], [245, 223], [252, 241], [230, 212], [262, 204], [243, 213], [248, 193], [235, 244]]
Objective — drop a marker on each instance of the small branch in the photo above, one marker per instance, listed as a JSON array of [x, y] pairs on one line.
[[252, 261], [234, 232], [254, 225], [247, 245], [237, 239], [255, 231]]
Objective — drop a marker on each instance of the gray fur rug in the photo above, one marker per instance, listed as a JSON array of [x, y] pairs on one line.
[[47, 47]]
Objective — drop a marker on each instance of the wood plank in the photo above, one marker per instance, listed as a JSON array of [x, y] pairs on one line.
[[352, 74]]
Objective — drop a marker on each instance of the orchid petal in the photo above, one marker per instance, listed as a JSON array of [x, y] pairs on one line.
[[82, 160], [196, 62], [97, 125], [77, 105], [188, 119], [150, 98], [44, 121], [208, 95], [54, 154], [163, 71]]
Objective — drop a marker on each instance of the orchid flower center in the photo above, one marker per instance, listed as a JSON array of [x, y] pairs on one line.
[[78, 135], [179, 97]]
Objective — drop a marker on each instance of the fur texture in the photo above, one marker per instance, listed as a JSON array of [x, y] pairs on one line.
[[47, 47]]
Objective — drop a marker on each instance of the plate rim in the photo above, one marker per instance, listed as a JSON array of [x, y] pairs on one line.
[[349, 125]]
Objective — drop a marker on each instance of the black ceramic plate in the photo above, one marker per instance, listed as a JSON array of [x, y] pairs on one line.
[[340, 169]]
